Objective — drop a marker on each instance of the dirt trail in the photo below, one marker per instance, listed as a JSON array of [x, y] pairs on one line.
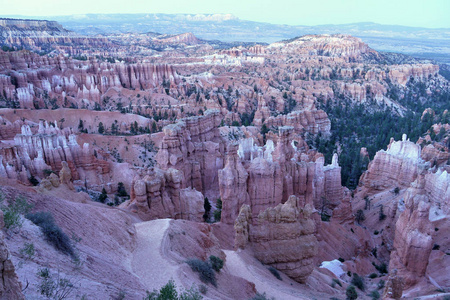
[[148, 262]]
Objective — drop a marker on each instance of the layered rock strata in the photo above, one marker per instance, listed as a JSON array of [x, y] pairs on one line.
[[281, 236]]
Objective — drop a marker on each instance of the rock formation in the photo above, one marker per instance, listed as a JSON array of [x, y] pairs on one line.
[[398, 166], [394, 287], [274, 173], [282, 236], [194, 147], [47, 150], [159, 194]]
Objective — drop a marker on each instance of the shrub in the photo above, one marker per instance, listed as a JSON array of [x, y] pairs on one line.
[[53, 234], [33, 180], [169, 292], [397, 190], [13, 211], [207, 207], [325, 218], [121, 192], [218, 211], [351, 293], [216, 263], [359, 217], [341, 259], [375, 295], [204, 270], [436, 247], [275, 273], [373, 275], [103, 196], [203, 289], [55, 288], [28, 250], [358, 281], [381, 268]]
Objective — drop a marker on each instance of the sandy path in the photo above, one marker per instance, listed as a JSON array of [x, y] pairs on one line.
[[148, 262], [256, 273]]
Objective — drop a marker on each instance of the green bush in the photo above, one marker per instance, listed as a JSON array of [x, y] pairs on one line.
[[275, 273], [13, 211], [358, 281], [359, 217], [204, 270], [381, 268], [54, 288], [207, 207], [373, 275], [53, 234], [28, 250], [218, 211], [375, 295], [103, 196], [216, 263], [351, 293], [169, 292]]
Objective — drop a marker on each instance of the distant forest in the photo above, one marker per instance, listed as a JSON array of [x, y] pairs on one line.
[[370, 125]]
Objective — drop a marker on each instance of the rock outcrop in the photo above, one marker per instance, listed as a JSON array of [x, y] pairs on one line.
[[398, 166], [159, 194], [194, 146], [282, 236], [48, 150], [413, 237], [274, 173], [233, 184]]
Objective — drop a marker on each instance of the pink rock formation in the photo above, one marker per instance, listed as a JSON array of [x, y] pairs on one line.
[[194, 147], [413, 236], [233, 185], [47, 150], [160, 195], [312, 121], [274, 173], [397, 166], [282, 236]]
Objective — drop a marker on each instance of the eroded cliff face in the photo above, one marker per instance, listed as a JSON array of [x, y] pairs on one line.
[[281, 236], [159, 194], [194, 147], [32, 154], [33, 80], [427, 206], [417, 207], [398, 166], [266, 176]]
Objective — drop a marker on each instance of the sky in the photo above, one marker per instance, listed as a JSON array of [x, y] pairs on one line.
[[417, 13]]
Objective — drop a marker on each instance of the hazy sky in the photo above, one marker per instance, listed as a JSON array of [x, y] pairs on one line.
[[420, 13]]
